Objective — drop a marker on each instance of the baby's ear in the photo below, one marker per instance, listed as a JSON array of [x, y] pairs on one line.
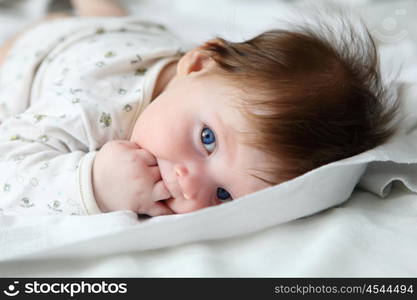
[[196, 60]]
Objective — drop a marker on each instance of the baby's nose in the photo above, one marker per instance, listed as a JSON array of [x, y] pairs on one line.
[[194, 186]]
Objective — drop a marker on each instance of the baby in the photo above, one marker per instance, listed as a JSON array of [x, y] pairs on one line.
[[105, 114]]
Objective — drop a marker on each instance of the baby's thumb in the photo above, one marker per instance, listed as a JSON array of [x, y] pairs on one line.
[[159, 209]]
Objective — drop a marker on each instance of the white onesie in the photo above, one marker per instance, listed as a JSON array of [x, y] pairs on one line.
[[67, 87]]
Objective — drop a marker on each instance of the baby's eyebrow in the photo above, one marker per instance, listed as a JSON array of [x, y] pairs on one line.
[[262, 179]]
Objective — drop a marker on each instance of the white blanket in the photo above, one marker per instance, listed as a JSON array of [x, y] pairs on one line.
[[363, 234]]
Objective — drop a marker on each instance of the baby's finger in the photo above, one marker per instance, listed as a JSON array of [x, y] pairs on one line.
[[159, 209], [147, 157], [155, 174], [160, 191]]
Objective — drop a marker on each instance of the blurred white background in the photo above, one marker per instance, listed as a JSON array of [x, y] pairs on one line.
[[198, 20]]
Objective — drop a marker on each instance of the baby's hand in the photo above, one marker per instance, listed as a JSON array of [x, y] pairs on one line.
[[126, 176]]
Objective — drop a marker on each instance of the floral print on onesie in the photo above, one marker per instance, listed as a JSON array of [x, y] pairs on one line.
[[67, 87]]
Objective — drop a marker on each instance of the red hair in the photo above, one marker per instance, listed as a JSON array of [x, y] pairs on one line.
[[319, 96]]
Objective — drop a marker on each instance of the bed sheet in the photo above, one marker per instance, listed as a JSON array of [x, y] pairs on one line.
[[364, 236]]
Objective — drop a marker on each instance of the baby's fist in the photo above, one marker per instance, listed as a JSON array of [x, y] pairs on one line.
[[126, 177]]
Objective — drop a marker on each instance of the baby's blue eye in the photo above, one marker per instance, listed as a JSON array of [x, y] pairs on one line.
[[208, 139], [209, 142], [223, 195]]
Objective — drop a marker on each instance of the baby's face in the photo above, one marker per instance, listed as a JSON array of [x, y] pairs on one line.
[[190, 129]]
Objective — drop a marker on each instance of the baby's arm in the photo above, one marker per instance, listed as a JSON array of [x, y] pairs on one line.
[[47, 151], [47, 168]]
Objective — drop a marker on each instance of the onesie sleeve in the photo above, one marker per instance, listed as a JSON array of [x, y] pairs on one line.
[[44, 167]]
